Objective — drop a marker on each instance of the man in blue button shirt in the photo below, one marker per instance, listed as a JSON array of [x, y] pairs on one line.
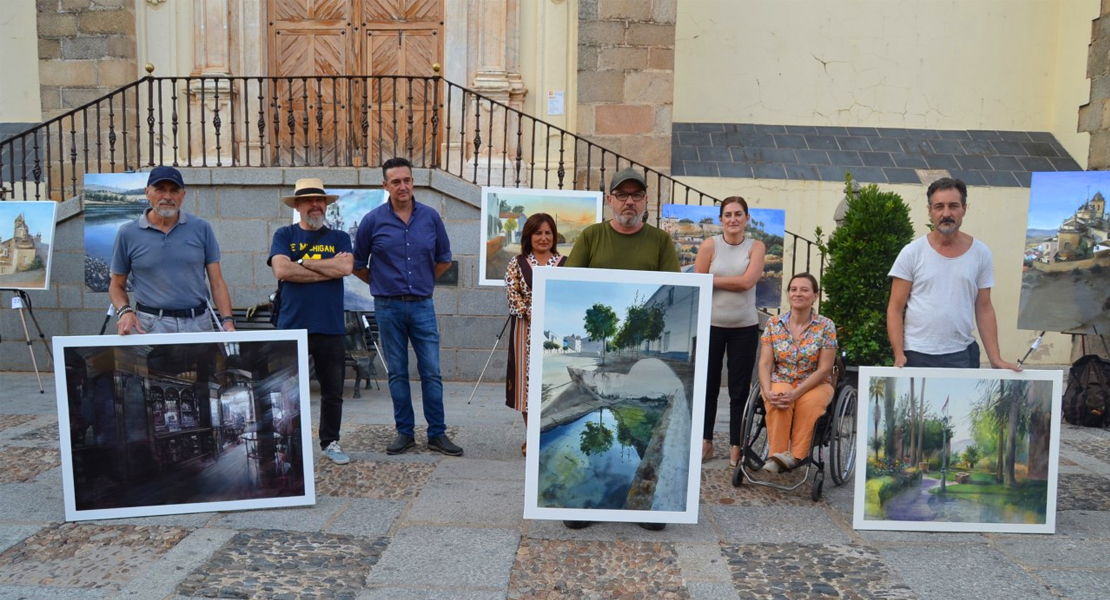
[[401, 248]]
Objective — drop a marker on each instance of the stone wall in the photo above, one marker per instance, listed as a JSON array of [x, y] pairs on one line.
[[1094, 118], [86, 49], [244, 208], [626, 77]]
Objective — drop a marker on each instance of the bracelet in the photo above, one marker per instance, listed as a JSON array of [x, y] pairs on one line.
[[123, 311], [226, 319]]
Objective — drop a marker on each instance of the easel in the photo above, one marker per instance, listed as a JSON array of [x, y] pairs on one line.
[[20, 301]]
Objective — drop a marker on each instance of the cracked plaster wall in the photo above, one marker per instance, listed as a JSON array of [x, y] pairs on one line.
[[988, 64]]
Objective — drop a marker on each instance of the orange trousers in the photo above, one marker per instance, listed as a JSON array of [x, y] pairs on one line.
[[793, 427]]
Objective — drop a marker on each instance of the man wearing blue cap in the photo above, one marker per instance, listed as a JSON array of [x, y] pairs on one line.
[[167, 253]]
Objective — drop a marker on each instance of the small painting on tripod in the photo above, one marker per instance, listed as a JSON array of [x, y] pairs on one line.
[[26, 241]]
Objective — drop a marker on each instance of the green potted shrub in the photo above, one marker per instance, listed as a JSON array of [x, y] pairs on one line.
[[860, 253]]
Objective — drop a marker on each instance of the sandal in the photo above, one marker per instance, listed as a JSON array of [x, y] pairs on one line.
[[524, 449], [734, 456]]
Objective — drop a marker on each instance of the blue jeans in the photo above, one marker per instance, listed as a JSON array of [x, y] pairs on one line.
[[964, 359], [400, 323]]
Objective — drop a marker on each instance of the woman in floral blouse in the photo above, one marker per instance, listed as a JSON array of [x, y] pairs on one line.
[[538, 248], [795, 374]]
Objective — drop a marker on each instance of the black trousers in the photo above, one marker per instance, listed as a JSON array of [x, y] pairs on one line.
[[328, 353], [740, 343]]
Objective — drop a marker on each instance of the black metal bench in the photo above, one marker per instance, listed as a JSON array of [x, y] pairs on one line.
[[361, 342]]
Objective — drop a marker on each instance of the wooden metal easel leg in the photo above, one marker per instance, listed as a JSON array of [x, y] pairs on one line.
[[27, 337]]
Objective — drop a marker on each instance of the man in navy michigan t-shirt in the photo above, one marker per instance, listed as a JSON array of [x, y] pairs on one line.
[[311, 260]]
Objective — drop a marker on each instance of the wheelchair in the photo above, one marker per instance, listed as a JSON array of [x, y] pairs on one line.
[[835, 431]]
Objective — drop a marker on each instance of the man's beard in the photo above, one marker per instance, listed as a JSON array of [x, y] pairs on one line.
[[166, 212], [630, 221], [947, 227], [314, 222]]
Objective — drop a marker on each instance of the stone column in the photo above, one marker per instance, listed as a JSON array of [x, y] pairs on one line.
[[497, 78], [1094, 118], [210, 100], [626, 80]]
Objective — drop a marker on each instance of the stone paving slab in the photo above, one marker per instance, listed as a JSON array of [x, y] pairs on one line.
[[86, 556], [777, 524], [590, 569], [272, 564], [1083, 524], [36, 501], [811, 570], [453, 594], [481, 470], [164, 574], [700, 590], [10, 421], [365, 517], [448, 557], [943, 572], [469, 502], [11, 535], [27, 592], [1078, 585], [301, 518], [1057, 553], [702, 562]]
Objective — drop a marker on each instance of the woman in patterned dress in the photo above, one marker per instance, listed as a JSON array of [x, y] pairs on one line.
[[795, 374], [538, 248]]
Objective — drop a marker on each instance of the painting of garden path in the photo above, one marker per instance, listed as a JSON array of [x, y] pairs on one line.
[[689, 225], [957, 450], [616, 395]]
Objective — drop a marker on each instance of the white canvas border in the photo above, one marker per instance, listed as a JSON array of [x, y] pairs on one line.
[[498, 279], [61, 343], [53, 242], [541, 277], [863, 417]]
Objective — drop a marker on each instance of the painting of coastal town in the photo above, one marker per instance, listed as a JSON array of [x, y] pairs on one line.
[[505, 210], [110, 200], [616, 395], [26, 241], [1065, 273], [164, 424], [345, 214], [689, 225], [957, 450]]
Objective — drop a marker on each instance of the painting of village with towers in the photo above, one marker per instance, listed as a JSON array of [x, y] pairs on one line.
[[26, 239], [1065, 281]]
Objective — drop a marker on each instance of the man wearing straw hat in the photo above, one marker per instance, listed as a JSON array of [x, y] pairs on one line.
[[310, 260], [167, 253]]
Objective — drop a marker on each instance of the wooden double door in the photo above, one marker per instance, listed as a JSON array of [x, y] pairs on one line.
[[353, 121]]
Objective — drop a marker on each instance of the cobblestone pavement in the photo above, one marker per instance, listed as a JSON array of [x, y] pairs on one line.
[[421, 525]]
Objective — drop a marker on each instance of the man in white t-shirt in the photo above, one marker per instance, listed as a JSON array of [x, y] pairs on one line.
[[942, 289]]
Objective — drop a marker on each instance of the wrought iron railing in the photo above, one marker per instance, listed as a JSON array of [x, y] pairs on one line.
[[318, 121]]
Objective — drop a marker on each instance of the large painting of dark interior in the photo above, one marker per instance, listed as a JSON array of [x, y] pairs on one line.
[[187, 423]]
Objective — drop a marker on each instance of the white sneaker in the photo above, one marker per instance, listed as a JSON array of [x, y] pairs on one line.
[[336, 454], [770, 466]]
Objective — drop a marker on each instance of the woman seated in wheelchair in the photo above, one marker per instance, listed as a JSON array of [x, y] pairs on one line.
[[795, 374]]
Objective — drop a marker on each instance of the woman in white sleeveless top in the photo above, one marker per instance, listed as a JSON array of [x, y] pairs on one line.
[[736, 263]]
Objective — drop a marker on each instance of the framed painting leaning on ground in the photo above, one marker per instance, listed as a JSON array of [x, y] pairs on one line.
[[616, 395], [957, 450], [164, 424]]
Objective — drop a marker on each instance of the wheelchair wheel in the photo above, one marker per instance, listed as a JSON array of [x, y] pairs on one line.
[[818, 485], [842, 442], [755, 435]]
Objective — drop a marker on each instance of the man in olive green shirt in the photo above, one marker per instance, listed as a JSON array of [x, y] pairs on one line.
[[625, 241]]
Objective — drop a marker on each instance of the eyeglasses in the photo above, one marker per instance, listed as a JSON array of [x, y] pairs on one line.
[[634, 196]]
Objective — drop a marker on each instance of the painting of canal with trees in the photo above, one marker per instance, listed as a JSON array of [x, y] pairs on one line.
[[615, 399], [957, 450]]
